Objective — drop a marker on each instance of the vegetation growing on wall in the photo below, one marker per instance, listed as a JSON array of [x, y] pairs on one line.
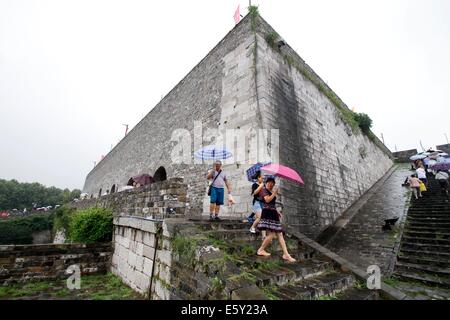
[[19, 230], [91, 225], [62, 217]]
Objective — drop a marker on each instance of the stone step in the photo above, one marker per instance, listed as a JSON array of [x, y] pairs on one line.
[[421, 228], [328, 284], [428, 220], [284, 272], [242, 246], [425, 241], [420, 213], [229, 235], [439, 261], [431, 234], [428, 224], [415, 212], [222, 225], [418, 268], [431, 280], [359, 294], [431, 248]]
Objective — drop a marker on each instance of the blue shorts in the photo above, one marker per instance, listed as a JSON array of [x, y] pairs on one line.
[[257, 207], [217, 196]]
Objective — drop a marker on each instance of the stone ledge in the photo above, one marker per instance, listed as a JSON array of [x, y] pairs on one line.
[[386, 290]]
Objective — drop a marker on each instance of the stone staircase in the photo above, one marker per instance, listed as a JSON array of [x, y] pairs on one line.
[[235, 272], [424, 254]]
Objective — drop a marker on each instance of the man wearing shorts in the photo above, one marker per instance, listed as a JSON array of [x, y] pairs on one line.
[[219, 179]]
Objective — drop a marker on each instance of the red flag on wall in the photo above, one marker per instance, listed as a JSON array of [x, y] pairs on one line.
[[237, 15]]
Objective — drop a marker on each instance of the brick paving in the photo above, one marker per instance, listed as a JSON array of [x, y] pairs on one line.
[[362, 240]]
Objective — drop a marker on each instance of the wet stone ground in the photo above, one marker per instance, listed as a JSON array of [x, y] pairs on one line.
[[94, 287], [363, 241]]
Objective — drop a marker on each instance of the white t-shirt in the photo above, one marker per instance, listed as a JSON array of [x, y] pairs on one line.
[[442, 176], [421, 174]]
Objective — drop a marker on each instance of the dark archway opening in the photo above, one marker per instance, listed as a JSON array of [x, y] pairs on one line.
[[113, 188], [160, 174], [100, 192]]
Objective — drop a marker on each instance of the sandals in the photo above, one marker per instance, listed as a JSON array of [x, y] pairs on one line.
[[266, 254], [289, 260]]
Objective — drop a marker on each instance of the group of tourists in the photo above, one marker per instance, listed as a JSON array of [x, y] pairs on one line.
[[418, 182], [267, 217]]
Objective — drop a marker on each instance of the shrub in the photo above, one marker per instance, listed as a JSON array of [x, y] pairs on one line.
[[364, 121], [62, 218], [19, 230], [91, 226], [271, 39]]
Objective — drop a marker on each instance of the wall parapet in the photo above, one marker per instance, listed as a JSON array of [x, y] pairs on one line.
[[21, 263], [155, 200]]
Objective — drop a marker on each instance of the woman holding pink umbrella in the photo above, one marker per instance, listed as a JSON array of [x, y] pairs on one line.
[[270, 221]]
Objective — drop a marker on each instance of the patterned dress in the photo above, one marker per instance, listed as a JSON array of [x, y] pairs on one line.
[[270, 220]]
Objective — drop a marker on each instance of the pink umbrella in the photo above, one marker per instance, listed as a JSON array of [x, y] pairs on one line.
[[283, 172]]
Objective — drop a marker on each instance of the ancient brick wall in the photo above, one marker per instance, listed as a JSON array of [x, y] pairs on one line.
[[50, 261], [403, 156], [232, 88], [134, 251], [444, 147], [156, 199], [143, 255], [337, 164], [217, 90]]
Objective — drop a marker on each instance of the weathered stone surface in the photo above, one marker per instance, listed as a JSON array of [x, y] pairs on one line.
[[24, 263]]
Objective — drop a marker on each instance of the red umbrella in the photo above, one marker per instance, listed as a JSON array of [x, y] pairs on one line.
[[283, 172]]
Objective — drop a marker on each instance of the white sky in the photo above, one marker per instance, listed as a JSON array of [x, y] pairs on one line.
[[72, 72]]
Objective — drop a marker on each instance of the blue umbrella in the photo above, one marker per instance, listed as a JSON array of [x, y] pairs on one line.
[[254, 169], [213, 153], [418, 157]]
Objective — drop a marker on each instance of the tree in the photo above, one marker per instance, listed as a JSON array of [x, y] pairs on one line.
[[15, 195]]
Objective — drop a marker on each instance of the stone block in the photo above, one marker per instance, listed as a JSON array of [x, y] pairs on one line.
[[148, 267], [139, 263], [149, 239], [164, 256], [149, 252], [149, 226]]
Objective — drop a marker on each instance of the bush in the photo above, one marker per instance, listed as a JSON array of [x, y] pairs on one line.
[[91, 225], [19, 230], [62, 218], [364, 121]]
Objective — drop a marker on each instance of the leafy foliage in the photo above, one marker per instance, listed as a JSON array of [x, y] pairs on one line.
[[91, 226], [16, 195], [62, 218], [364, 121], [271, 39], [254, 12], [19, 230]]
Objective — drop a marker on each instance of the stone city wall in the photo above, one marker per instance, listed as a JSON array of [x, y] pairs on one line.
[[403, 156], [157, 199], [338, 165], [20, 263]]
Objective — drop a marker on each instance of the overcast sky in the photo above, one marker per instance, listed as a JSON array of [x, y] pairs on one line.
[[72, 72]]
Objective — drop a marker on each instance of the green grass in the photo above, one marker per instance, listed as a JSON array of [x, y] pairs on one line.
[[96, 287], [271, 292], [329, 297]]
